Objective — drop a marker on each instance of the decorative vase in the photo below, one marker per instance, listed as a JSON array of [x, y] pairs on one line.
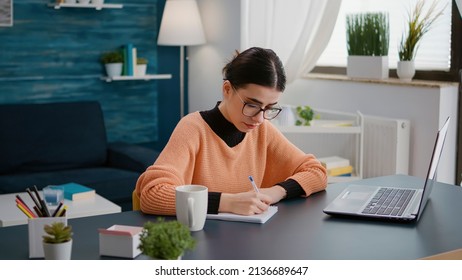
[[113, 69], [70, 1], [406, 70], [97, 2], [57, 251], [367, 67]]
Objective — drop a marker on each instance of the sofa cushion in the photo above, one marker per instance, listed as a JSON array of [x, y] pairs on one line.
[[51, 136], [111, 183]]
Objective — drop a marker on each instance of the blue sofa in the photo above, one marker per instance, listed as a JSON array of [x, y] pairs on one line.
[[57, 143]]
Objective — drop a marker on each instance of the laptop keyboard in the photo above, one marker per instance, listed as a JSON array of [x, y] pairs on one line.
[[389, 201]]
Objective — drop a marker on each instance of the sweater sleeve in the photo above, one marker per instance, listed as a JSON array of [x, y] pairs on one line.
[[156, 186]]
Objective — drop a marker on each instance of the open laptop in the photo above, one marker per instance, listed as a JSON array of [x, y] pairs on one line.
[[401, 204]]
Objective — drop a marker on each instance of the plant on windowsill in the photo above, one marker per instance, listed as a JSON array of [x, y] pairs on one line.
[[417, 26], [165, 240], [367, 44], [113, 62], [57, 244]]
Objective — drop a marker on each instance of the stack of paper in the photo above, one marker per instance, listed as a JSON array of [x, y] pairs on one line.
[[258, 218]]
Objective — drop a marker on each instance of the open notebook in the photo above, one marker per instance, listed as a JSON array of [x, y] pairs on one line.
[[258, 218]]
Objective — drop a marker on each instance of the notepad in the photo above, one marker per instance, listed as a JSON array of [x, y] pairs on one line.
[[258, 218]]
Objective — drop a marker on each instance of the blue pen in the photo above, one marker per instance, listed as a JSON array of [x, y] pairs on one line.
[[253, 184]]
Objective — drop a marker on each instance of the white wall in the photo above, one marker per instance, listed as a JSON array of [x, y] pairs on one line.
[[426, 107], [222, 21]]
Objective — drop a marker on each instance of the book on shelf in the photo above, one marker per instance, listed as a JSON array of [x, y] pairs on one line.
[[74, 191], [134, 57], [128, 50], [334, 162], [340, 171]]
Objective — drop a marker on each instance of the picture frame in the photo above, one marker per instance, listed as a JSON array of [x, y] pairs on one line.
[[6, 12]]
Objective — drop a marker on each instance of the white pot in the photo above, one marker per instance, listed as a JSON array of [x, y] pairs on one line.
[[114, 69], [84, 2], [367, 67], [406, 70], [97, 2], [141, 69], [57, 251], [70, 1]]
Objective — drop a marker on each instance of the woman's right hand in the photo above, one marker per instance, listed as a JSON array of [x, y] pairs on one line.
[[246, 203]]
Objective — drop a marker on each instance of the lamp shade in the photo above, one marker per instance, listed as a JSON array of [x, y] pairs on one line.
[[181, 24]]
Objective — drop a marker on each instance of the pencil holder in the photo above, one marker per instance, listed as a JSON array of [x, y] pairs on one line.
[[36, 233]]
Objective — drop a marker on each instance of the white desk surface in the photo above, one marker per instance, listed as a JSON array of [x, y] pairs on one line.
[[10, 215]]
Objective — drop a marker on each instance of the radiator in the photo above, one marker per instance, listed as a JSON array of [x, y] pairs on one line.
[[385, 146]]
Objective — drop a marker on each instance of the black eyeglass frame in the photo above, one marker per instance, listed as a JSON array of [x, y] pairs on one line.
[[254, 106]]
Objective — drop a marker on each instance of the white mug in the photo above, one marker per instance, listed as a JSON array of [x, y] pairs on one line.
[[191, 206]]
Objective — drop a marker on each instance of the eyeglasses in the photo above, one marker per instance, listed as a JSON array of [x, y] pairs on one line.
[[251, 110]]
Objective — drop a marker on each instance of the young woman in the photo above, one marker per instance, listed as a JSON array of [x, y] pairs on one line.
[[222, 147]]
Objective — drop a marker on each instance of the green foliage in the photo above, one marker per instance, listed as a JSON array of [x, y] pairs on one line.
[[368, 34], [112, 57], [57, 233], [306, 114], [418, 24], [141, 60], [165, 240]]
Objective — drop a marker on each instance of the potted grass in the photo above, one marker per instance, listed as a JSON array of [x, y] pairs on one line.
[[367, 37], [57, 244], [113, 63], [418, 24], [141, 66], [165, 240]]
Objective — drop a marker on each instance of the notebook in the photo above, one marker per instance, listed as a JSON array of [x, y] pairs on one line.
[[364, 201], [258, 218]]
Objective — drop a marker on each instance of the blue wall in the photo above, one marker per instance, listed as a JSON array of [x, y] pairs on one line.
[[53, 55]]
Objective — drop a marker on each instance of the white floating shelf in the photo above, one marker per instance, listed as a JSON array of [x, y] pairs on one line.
[[145, 77], [91, 6]]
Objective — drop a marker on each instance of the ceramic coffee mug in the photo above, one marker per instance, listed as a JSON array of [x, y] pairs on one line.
[[191, 206]]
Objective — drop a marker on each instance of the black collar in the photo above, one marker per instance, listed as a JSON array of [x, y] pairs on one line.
[[222, 127]]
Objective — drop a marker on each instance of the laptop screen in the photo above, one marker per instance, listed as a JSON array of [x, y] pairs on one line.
[[431, 175]]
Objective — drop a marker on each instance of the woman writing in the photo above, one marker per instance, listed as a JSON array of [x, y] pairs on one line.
[[222, 147]]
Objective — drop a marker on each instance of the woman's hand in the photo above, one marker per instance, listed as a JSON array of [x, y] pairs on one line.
[[246, 203], [276, 193]]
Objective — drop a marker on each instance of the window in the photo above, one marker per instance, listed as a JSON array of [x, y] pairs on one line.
[[434, 52]]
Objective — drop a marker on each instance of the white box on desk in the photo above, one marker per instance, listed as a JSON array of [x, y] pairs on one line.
[[120, 241]]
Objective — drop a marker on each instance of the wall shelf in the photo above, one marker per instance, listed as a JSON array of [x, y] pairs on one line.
[[145, 77], [91, 6]]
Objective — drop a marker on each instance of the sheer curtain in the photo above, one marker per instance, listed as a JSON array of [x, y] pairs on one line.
[[297, 30]]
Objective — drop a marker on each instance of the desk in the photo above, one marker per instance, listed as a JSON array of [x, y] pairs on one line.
[[10, 215], [300, 230]]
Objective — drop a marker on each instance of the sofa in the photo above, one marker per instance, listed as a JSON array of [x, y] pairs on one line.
[[62, 142]]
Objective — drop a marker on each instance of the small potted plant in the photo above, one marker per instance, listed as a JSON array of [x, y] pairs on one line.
[[141, 66], [57, 245], [418, 24], [165, 240], [367, 37], [305, 114], [113, 62]]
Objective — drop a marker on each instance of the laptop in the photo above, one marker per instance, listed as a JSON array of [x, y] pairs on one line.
[[389, 202]]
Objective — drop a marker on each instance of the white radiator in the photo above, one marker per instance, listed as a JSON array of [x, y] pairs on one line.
[[386, 146]]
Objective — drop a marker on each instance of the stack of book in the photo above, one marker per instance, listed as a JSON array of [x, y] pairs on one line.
[[130, 57], [337, 166]]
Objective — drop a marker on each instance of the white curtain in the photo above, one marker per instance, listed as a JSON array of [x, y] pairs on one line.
[[297, 30]]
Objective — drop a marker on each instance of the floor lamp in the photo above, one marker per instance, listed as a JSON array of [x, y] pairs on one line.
[[181, 25]]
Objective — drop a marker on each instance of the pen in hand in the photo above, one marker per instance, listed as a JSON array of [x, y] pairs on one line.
[[253, 184]]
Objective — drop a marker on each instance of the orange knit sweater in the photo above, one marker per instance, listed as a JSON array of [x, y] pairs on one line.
[[196, 155]]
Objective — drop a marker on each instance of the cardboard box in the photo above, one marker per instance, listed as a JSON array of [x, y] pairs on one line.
[[120, 241]]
